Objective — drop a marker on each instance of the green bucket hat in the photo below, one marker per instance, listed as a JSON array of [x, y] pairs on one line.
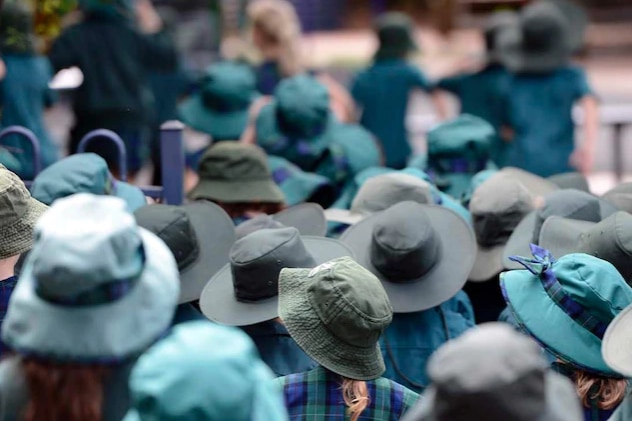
[[299, 186], [203, 371], [297, 123], [95, 288], [395, 34], [457, 150], [539, 43], [19, 213], [220, 109], [233, 172], [336, 313], [16, 31], [579, 295], [83, 173]]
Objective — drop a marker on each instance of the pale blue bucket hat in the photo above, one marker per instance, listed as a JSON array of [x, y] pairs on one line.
[[95, 288], [204, 371], [83, 173]]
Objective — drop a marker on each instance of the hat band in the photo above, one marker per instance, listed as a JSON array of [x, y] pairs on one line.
[[458, 165], [108, 292], [296, 131], [541, 266]]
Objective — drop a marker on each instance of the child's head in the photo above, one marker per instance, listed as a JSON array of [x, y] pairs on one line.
[[496, 23], [395, 36], [108, 8]]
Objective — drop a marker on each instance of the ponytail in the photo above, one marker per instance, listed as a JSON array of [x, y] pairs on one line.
[[356, 397]]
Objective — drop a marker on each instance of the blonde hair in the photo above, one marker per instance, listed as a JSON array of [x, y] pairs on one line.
[[356, 397], [606, 392], [278, 23]]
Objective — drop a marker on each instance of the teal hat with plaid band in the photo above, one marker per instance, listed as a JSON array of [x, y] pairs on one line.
[[579, 295]]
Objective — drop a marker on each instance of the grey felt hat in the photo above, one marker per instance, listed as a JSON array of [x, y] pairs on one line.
[[540, 43], [497, 206], [493, 373], [620, 196], [609, 239], [570, 180], [617, 343], [536, 185], [199, 235], [245, 291], [423, 254], [307, 218], [95, 287], [568, 203], [381, 192]]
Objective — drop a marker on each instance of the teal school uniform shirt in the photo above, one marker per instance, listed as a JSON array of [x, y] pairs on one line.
[[382, 92], [412, 338], [24, 95], [539, 110], [483, 94]]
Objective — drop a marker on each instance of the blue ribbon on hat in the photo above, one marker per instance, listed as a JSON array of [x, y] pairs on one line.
[[542, 266]]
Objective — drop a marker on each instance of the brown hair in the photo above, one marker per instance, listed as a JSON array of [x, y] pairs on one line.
[[605, 392], [63, 392], [356, 397], [236, 210]]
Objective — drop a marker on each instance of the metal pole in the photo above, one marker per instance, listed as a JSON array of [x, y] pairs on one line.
[[172, 158], [112, 137], [30, 136]]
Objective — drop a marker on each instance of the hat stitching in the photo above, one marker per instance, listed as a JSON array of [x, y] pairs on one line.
[[294, 235], [601, 297]]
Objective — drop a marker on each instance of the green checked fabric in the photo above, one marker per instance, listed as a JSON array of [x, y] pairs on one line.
[[316, 395]]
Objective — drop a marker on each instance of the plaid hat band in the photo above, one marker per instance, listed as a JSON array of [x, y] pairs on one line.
[[540, 266]]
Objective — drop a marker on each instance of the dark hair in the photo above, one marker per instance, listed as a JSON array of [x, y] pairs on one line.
[[236, 210]]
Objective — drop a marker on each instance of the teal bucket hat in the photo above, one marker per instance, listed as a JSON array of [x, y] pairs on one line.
[[579, 295], [395, 34], [83, 173], [299, 186], [220, 109], [457, 150], [297, 123], [95, 288], [204, 372]]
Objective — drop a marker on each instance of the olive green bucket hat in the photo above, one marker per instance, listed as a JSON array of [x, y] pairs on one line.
[[233, 172], [19, 213], [336, 313]]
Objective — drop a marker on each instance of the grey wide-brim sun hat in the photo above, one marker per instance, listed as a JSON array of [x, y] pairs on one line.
[[103, 333], [570, 180], [536, 185], [523, 235], [307, 218], [616, 347], [219, 302], [455, 254], [215, 235]]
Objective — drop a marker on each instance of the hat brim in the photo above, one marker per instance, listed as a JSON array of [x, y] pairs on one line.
[[132, 195], [221, 126], [310, 333], [561, 398], [215, 233], [238, 191], [518, 59], [307, 218], [343, 216], [488, 263], [562, 236], [617, 343], [107, 332], [17, 238], [536, 313], [536, 185], [447, 277], [218, 301]]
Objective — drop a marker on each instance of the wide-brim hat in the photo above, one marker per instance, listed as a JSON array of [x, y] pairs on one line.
[[237, 191], [570, 180], [550, 54], [131, 195], [445, 279], [307, 218], [617, 343], [218, 301], [536, 185], [17, 238], [105, 333], [561, 236], [488, 262], [300, 186], [228, 125]]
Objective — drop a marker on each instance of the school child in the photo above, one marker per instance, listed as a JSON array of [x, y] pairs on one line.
[[382, 90], [96, 292], [580, 295], [115, 58], [422, 254], [483, 93], [244, 293], [544, 89], [24, 92], [336, 313]]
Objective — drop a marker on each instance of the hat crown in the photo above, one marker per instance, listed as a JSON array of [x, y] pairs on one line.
[[404, 244], [228, 87], [465, 135], [383, 191], [257, 260], [259, 222], [541, 24], [302, 107], [350, 301], [233, 161], [14, 198], [84, 242], [173, 226]]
